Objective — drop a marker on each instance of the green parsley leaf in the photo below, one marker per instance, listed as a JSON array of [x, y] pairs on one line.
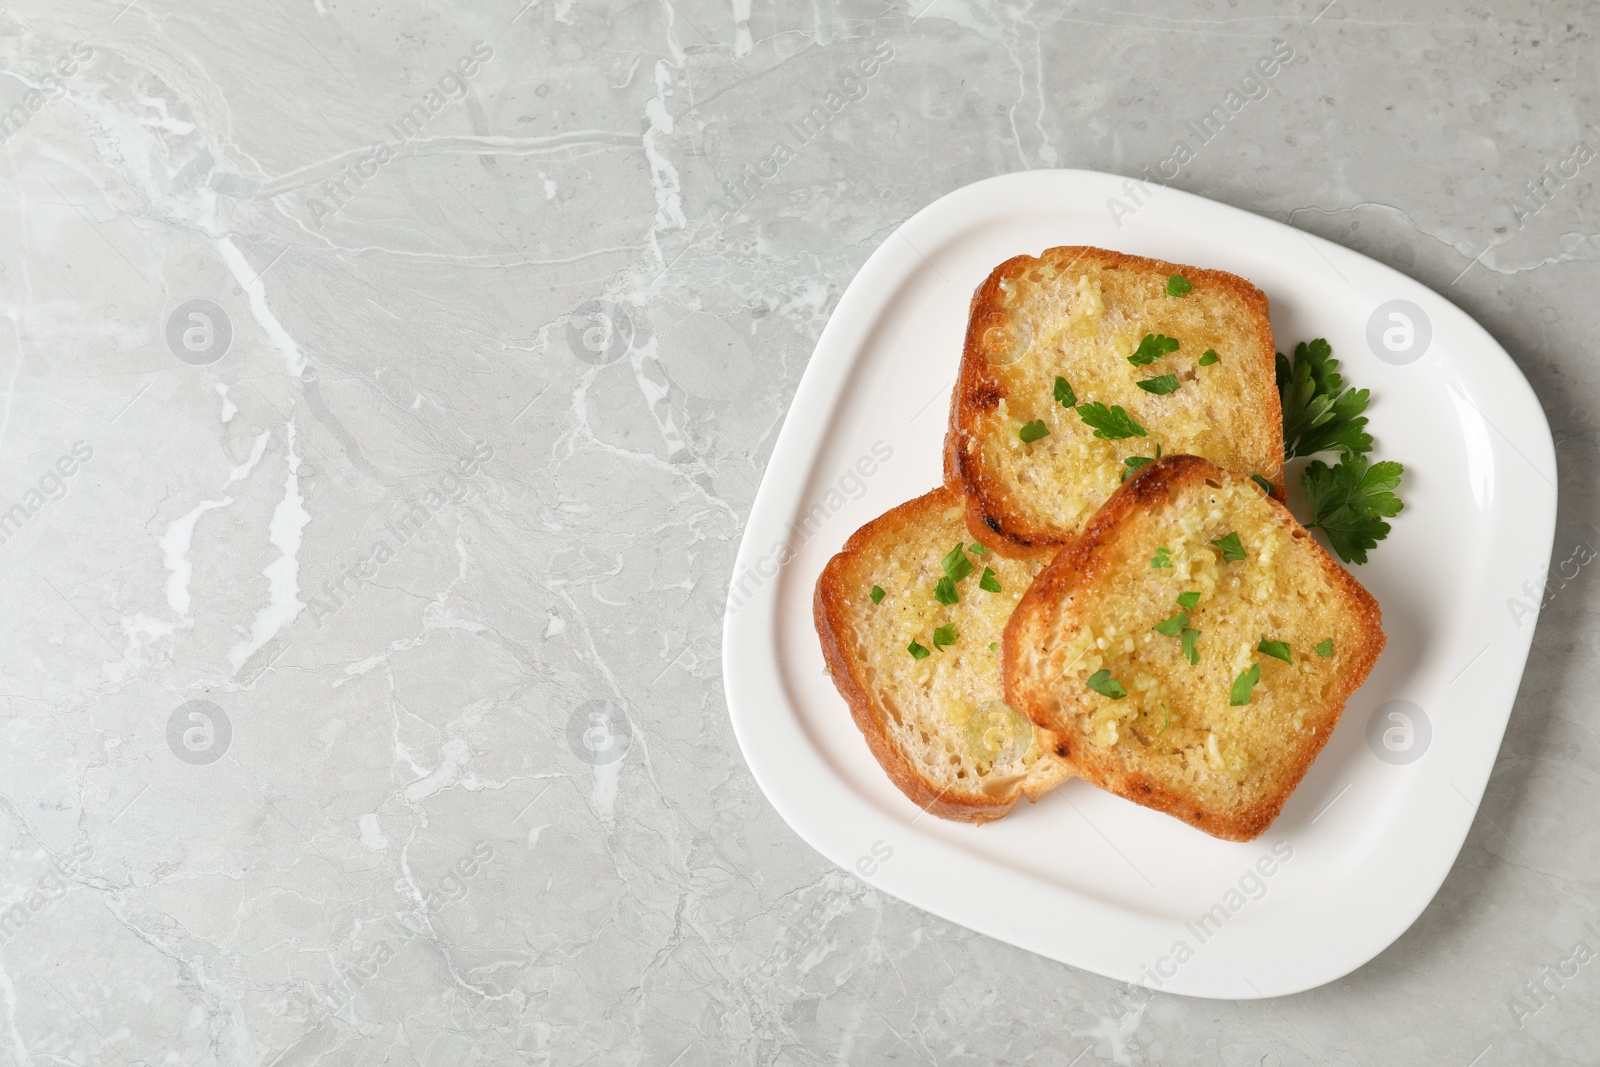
[[1133, 463], [1102, 682], [944, 635], [956, 564], [1112, 424], [945, 592], [994, 646], [1275, 649], [1319, 414], [1210, 357], [1239, 695], [1350, 501], [1033, 431], [988, 582], [1167, 383], [1152, 348], [1064, 394], [1190, 652], [878, 594], [1266, 486], [1162, 558], [1171, 627], [1232, 550], [917, 651], [1189, 599], [977, 549], [1325, 648], [1178, 285]]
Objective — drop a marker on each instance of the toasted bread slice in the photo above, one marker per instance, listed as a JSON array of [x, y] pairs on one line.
[[937, 723], [1181, 740], [1079, 314]]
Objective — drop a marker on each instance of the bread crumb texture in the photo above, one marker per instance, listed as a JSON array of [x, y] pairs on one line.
[[1176, 724], [945, 711], [1081, 317]]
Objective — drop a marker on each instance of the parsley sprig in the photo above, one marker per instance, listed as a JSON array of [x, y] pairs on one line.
[[1350, 500], [1160, 385], [1134, 463], [1064, 394], [955, 563], [1319, 413], [1230, 546], [1151, 348], [1112, 424], [1239, 695], [1276, 649], [1102, 682]]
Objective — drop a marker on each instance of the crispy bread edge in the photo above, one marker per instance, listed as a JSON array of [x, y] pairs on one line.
[[1078, 565], [846, 668]]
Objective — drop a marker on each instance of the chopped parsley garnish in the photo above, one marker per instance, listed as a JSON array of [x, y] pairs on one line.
[[1133, 463], [1275, 649], [1350, 500], [1152, 348], [878, 594], [1112, 424], [1319, 414], [1165, 717], [1266, 486], [1033, 431], [1178, 285], [977, 549], [1239, 695], [988, 582], [1167, 383], [945, 592], [1325, 647], [944, 635], [1064, 394], [1102, 682], [956, 565], [1189, 599], [1190, 652], [917, 651], [1162, 558], [994, 646], [1210, 357], [1173, 626], [1232, 550]]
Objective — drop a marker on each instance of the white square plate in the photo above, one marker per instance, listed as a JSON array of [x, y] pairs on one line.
[[1084, 877]]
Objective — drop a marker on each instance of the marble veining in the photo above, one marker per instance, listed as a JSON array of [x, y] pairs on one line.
[[383, 388]]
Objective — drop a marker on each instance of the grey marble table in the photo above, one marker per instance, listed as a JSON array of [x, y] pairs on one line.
[[384, 390]]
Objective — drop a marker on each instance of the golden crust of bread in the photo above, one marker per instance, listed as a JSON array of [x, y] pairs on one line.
[[862, 667], [1007, 376], [1096, 567]]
